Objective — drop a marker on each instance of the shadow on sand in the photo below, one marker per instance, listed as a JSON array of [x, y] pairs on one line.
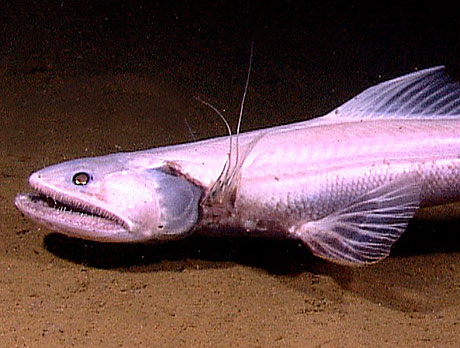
[[424, 263], [280, 257]]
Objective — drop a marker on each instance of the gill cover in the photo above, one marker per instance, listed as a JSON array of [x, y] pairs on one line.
[[178, 203]]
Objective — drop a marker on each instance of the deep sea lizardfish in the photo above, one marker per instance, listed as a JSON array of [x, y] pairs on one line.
[[345, 184]]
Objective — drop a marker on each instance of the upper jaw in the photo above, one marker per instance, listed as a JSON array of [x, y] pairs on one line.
[[76, 202], [72, 215]]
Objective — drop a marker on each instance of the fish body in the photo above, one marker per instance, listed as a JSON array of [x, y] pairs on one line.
[[346, 184]]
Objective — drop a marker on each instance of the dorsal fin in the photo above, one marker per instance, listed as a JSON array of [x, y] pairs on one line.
[[429, 93]]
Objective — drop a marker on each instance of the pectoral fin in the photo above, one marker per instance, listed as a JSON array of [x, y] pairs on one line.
[[364, 231]]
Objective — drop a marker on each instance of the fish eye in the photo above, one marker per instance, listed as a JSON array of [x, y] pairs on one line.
[[81, 178]]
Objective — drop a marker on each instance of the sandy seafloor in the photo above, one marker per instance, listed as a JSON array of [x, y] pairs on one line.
[[85, 80]]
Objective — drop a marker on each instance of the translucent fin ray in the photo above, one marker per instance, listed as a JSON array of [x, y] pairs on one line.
[[429, 93], [364, 231]]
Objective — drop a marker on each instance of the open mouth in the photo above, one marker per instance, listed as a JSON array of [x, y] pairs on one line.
[[70, 215]]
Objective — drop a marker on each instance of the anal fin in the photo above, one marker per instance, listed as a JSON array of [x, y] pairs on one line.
[[364, 231]]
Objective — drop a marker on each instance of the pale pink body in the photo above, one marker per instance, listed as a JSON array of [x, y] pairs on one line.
[[346, 184]]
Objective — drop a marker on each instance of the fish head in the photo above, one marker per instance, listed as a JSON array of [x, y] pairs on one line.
[[107, 199]]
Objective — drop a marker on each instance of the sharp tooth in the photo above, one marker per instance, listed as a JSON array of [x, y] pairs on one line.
[[66, 205]]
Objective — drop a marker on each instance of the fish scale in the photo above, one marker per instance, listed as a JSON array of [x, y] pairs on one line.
[[345, 184]]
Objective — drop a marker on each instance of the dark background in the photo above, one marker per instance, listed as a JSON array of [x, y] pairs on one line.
[[303, 51], [85, 78]]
